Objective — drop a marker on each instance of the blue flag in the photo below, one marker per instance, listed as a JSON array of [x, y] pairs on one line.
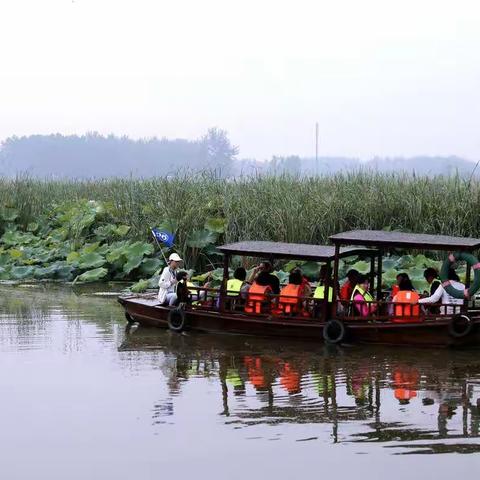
[[166, 238]]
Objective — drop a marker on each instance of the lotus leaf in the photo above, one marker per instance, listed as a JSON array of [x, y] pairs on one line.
[[132, 263], [150, 266], [201, 238], [311, 270], [282, 276], [58, 235], [19, 273], [32, 227], [170, 225], [92, 275], [406, 262], [122, 230], [390, 277], [138, 249], [8, 214], [290, 265], [389, 263], [16, 238], [140, 286], [73, 257], [90, 247], [216, 225], [4, 273], [15, 253], [362, 267], [153, 281], [90, 260], [105, 232], [5, 258]]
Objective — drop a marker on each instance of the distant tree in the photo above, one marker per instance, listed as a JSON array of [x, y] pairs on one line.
[[219, 152]]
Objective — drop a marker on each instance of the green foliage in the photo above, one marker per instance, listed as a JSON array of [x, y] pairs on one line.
[[92, 275], [140, 286], [74, 241]]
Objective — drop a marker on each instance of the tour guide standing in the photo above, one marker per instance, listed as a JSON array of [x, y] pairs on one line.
[[168, 281]]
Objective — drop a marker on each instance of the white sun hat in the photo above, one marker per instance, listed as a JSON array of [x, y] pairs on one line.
[[175, 257]]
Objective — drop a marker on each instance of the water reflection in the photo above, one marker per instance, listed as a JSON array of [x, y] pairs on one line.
[[56, 341], [413, 401]]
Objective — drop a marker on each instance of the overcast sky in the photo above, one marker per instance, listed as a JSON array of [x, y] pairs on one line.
[[381, 77]]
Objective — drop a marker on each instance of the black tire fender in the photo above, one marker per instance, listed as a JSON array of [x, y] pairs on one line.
[[334, 331], [176, 319], [460, 326], [129, 318]]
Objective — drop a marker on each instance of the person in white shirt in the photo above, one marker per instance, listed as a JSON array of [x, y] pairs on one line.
[[441, 295], [168, 281]]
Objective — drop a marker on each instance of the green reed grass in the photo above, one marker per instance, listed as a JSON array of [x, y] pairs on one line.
[[282, 208]]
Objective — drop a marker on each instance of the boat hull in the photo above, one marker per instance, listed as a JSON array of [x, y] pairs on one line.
[[147, 312]]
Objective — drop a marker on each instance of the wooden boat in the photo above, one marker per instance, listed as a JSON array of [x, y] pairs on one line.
[[320, 320]]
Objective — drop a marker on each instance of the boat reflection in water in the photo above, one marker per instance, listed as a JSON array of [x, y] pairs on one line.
[[413, 401]]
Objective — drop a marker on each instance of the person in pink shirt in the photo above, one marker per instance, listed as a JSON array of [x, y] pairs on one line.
[[362, 298]]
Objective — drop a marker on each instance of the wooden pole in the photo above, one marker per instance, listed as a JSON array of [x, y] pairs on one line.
[[379, 275], [335, 280], [223, 288]]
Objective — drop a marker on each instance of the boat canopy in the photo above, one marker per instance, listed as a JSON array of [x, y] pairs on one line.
[[318, 253], [380, 238]]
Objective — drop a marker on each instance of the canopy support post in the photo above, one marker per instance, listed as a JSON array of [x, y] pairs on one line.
[[223, 288], [335, 280], [379, 275]]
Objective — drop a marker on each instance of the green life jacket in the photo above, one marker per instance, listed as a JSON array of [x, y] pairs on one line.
[[319, 293], [366, 295], [234, 286]]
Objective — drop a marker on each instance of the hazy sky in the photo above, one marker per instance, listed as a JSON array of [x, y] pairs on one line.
[[381, 77]]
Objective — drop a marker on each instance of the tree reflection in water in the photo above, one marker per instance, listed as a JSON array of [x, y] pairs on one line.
[[389, 396]]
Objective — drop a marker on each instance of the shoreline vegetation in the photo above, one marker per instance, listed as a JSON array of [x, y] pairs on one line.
[[99, 230]]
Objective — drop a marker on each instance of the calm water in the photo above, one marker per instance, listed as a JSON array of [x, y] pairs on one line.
[[83, 398]]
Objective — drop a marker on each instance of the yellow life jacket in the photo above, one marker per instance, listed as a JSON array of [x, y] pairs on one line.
[[366, 295], [319, 293], [234, 286], [192, 288]]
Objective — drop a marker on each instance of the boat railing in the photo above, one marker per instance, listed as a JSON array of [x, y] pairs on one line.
[[203, 298]]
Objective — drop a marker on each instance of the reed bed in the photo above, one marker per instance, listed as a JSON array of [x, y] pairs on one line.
[[284, 208]]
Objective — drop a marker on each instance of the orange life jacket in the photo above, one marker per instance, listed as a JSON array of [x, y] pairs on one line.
[[405, 383], [289, 300], [255, 371], [257, 295], [404, 297], [290, 379]]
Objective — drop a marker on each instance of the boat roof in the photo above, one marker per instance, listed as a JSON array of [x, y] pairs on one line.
[[380, 238], [322, 253]]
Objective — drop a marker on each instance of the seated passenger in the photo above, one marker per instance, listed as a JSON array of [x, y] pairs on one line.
[[182, 288], [266, 268], [237, 285], [431, 276], [407, 299], [307, 288], [258, 297], [450, 303], [347, 288], [396, 287], [362, 298], [319, 293], [290, 300]]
